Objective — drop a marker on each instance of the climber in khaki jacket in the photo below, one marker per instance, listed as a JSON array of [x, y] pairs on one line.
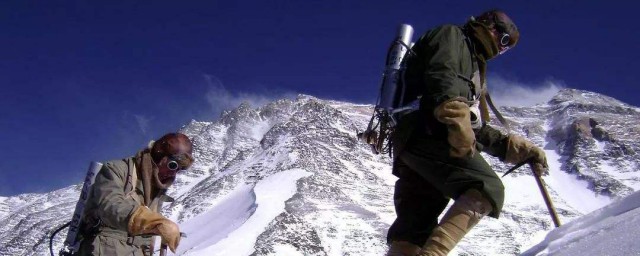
[[436, 149], [121, 216]]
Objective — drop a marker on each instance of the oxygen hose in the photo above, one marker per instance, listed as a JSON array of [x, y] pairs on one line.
[[54, 234]]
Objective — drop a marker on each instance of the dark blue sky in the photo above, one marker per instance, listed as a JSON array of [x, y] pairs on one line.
[[83, 81]]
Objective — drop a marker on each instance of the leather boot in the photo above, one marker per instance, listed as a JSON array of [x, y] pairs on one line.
[[463, 215], [402, 248]]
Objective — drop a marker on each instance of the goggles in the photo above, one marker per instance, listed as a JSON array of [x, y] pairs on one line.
[[504, 39], [179, 162]]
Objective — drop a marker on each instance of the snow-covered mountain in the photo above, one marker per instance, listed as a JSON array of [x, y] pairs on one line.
[[290, 178]]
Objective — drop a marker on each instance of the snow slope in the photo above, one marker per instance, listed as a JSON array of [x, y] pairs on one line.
[[612, 230], [260, 205]]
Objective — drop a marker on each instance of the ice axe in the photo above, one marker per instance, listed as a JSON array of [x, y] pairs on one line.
[[165, 199], [542, 187], [163, 246]]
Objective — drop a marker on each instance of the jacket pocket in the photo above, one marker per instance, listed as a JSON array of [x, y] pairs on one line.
[[109, 246]]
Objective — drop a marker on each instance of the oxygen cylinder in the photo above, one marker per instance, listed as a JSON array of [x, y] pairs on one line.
[[391, 76], [70, 243]]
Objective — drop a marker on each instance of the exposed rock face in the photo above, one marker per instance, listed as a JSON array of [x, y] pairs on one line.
[[344, 206], [594, 130]]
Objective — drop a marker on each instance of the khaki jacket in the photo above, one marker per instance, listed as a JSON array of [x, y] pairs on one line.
[[116, 193]]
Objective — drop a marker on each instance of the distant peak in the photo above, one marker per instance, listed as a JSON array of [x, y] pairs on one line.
[[243, 111], [576, 96], [303, 97], [244, 105]]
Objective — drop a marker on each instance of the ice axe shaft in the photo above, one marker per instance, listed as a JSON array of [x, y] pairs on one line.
[[163, 249], [542, 187], [547, 198]]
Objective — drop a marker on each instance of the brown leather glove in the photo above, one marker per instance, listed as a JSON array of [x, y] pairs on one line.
[[520, 149], [457, 116], [539, 169], [144, 221]]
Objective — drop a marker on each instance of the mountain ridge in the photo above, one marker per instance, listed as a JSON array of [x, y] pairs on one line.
[[344, 206]]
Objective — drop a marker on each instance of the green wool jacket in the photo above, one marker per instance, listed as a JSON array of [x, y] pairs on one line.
[[109, 206], [443, 66]]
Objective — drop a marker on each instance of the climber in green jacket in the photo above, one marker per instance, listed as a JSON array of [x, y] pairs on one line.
[[436, 148]]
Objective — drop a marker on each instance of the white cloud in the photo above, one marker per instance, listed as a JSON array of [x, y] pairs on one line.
[[512, 93], [143, 122], [219, 98]]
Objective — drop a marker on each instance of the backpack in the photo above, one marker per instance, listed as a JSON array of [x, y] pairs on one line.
[[390, 103], [72, 243]]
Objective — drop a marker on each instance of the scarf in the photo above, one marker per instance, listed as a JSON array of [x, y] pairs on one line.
[[148, 170], [483, 41], [485, 48]]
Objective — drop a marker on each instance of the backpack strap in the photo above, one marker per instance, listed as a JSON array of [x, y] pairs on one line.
[[495, 111], [132, 182], [485, 98]]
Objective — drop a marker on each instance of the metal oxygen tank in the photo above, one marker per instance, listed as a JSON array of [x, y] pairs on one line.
[[70, 244], [389, 90], [382, 121]]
